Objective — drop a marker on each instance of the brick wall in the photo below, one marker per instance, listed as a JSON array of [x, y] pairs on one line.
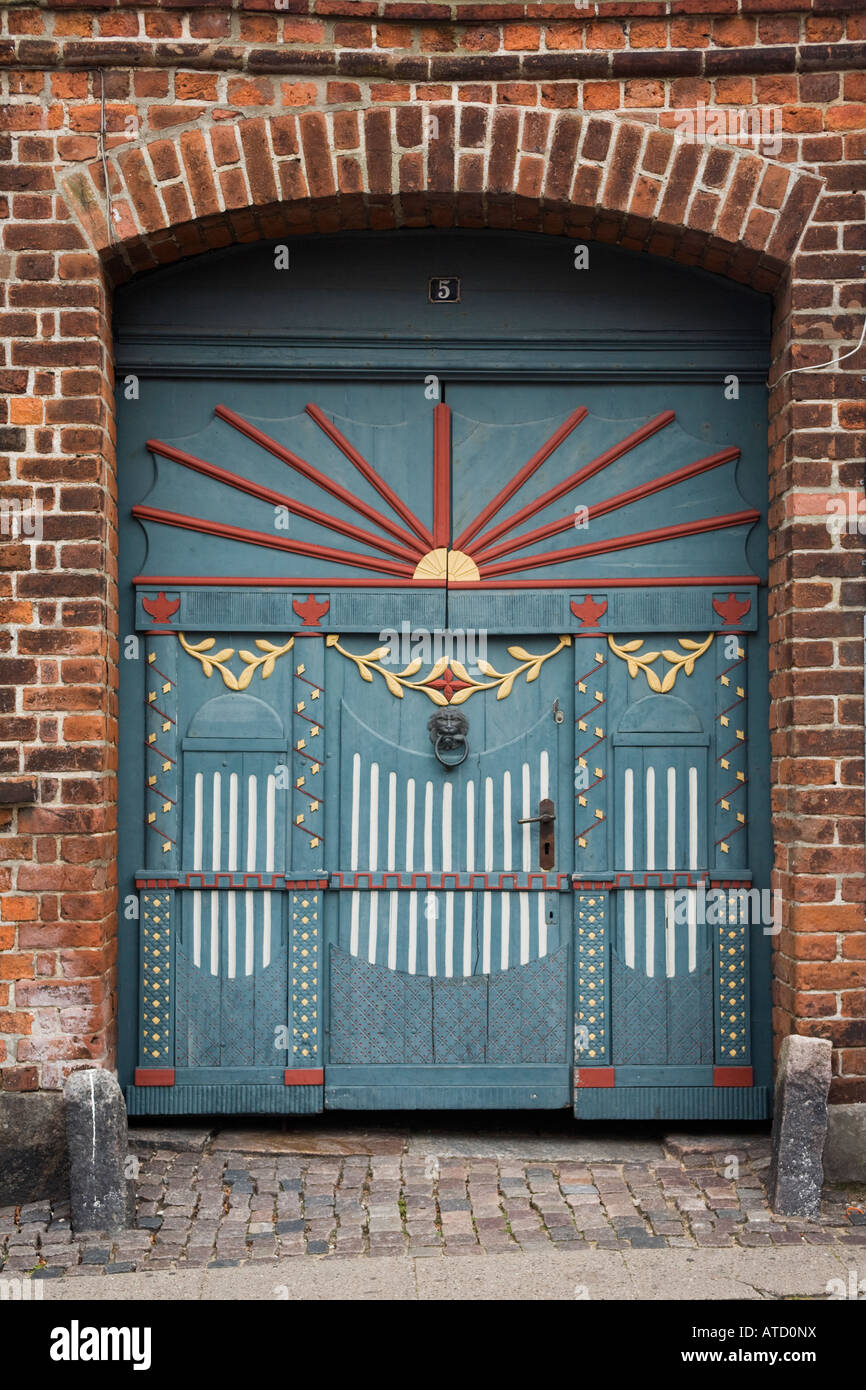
[[224, 123]]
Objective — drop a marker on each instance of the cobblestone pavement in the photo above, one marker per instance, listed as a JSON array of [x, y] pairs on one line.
[[220, 1208]]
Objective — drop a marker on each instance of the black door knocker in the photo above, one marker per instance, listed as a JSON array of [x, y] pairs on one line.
[[448, 730]]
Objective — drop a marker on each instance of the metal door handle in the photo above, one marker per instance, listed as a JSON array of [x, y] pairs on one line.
[[545, 819]]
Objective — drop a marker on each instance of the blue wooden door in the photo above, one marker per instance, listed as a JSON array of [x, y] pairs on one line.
[[325, 903], [449, 971]]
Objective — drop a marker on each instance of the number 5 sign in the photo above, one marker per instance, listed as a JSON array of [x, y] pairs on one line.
[[444, 289]]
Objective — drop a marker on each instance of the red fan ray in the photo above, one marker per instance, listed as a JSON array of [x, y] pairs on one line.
[[368, 472], [589, 470], [520, 477], [279, 499], [580, 552], [611, 504], [238, 533], [321, 480]]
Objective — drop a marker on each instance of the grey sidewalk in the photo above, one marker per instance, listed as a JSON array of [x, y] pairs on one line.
[[563, 1276]]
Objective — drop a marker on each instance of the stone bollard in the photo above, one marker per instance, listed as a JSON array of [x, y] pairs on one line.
[[799, 1126], [101, 1196]]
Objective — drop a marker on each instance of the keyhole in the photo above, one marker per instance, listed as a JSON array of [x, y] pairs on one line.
[[547, 849]]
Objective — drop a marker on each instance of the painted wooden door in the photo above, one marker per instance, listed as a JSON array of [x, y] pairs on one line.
[[449, 963], [328, 904]]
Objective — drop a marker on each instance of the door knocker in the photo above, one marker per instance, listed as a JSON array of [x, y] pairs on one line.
[[448, 730]]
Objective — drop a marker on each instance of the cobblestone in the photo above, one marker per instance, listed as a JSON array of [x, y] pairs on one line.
[[213, 1210]]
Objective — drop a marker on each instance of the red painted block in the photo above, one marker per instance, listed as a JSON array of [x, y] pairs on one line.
[[733, 1076], [594, 1076], [154, 1076], [307, 1076]]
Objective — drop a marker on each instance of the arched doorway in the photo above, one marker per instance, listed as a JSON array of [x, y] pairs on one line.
[[348, 505]]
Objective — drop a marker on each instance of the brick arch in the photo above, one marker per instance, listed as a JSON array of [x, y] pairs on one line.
[[591, 177], [726, 209]]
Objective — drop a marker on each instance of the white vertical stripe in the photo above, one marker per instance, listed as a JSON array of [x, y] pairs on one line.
[[431, 918], [355, 928], [488, 824], [249, 898], [672, 818], [232, 924], [693, 928], [216, 821], [544, 789], [506, 821], [650, 818], [216, 839], [372, 938], [470, 827], [670, 937], [487, 899], [527, 838], [266, 929], [233, 823], [449, 935], [356, 810], [410, 824], [196, 928], [447, 791], [467, 933], [252, 823], [232, 933], [524, 928], [428, 828], [413, 933], [628, 820], [504, 927], [629, 928], [693, 817], [231, 902], [250, 932], [542, 925], [214, 933], [197, 824], [392, 820], [270, 822], [650, 905], [270, 837], [373, 862], [392, 930], [196, 864]]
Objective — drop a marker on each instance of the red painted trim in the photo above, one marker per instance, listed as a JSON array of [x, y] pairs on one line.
[[441, 476], [622, 499], [589, 470], [733, 1076], [638, 538], [237, 882], [312, 474], [154, 1076], [390, 881], [522, 476], [655, 879], [646, 582], [235, 581], [368, 472], [238, 533], [306, 1076], [594, 1076], [282, 499]]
